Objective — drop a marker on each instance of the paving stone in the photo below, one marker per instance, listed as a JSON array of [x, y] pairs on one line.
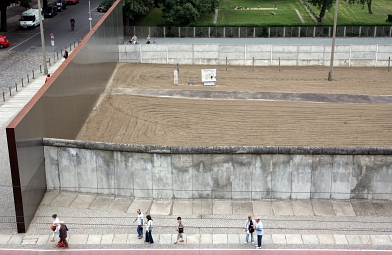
[[219, 238], [64, 199], [342, 208], [49, 197], [202, 207], [43, 239], [181, 208], [381, 239], [16, 239], [143, 205], [206, 239], [242, 208], [193, 239], [29, 241], [102, 203], [323, 208], [122, 238], [30, 236], [132, 239], [233, 238], [294, 239], [353, 239], [365, 239], [83, 201], [302, 208], [383, 208], [120, 204], [310, 239], [261, 208], [165, 239], [279, 238], [340, 239], [326, 239], [282, 208], [77, 239], [222, 207], [107, 239], [162, 207], [267, 239], [94, 239], [363, 208]]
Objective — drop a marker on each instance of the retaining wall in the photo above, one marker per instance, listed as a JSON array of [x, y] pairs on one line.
[[259, 55], [218, 172]]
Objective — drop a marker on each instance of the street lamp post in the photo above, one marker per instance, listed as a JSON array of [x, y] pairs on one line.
[[41, 27], [333, 41]]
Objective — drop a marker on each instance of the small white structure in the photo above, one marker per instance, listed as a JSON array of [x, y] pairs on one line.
[[175, 77], [208, 77]]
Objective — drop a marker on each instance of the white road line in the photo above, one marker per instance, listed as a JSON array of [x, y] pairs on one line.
[[23, 42]]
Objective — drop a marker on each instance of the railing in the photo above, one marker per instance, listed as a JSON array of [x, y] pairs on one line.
[[10, 89], [252, 32]]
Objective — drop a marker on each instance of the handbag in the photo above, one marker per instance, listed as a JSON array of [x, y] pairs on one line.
[[61, 244], [180, 230], [53, 228]]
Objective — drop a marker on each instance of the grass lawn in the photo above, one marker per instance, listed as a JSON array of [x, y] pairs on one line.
[[285, 14]]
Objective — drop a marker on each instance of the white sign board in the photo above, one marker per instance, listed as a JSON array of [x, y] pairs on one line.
[[175, 77], [208, 77]]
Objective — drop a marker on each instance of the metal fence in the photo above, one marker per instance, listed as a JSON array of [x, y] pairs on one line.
[[252, 32]]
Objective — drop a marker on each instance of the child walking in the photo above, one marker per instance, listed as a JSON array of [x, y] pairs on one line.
[[180, 229]]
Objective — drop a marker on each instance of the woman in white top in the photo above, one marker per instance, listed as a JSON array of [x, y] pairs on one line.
[[56, 223], [149, 227]]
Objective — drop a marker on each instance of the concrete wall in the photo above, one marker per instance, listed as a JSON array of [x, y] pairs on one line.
[[218, 172], [264, 55]]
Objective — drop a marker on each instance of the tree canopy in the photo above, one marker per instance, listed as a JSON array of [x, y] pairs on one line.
[[134, 8], [362, 2], [3, 11]]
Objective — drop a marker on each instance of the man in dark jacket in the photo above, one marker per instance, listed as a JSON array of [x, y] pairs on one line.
[[63, 234]]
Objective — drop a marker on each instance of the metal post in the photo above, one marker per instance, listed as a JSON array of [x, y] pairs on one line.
[[178, 68], [70, 46], [226, 63], [61, 51], [33, 74], [389, 63], [253, 64], [333, 41], [16, 85], [10, 90], [41, 27], [49, 62], [21, 80], [3, 97], [74, 45], [40, 68], [279, 64], [28, 80], [89, 13]]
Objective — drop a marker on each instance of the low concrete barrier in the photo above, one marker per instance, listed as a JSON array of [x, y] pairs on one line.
[[259, 55], [219, 172]]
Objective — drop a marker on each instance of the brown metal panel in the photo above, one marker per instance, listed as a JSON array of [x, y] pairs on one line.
[[60, 109]]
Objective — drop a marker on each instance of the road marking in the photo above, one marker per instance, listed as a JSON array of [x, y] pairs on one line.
[[23, 42]]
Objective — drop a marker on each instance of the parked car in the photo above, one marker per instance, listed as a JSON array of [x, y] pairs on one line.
[[4, 42], [50, 11], [61, 5], [101, 8], [72, 1]]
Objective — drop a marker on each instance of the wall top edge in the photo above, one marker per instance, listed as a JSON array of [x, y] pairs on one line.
[[160, 149]]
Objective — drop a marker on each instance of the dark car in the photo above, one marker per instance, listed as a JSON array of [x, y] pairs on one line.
[[101, 8], [50, 11], [61, 5], [72, 1], [4, 42]]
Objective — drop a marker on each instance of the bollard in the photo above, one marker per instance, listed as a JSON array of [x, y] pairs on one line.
[[389, 64], [10, 90], [226, 63], [279, 64], [22, 82], [54, 57], [40, 68], [16, 85], [49, 62], [57, 55], [3, 97], [74, 45], [28, 80], [178, 68], [253, 64], [70, 47], [33, 74], [61, 51]]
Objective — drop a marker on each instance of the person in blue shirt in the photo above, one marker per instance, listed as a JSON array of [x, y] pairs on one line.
[[259, 232]]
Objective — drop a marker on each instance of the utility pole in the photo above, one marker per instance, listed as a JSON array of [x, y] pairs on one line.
[[89, 12], [333, 41], [41, 27]]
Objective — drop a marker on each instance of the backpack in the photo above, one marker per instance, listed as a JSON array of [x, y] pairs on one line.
[[251, 227]]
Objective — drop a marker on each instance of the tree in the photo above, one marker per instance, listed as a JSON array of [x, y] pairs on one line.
[[133, 8], [185, 12], [323, 5], [362, 2], [3, 11]]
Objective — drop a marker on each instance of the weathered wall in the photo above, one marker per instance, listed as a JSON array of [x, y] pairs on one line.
[[264, 55], [218, 172]]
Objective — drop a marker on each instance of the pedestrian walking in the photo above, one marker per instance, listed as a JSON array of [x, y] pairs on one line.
[[47, 78], [139, 220], [149, 227], [65, 53], [180, 230], [249, 229], [148, 39], [259, 232], [63, 236], [55, 226]]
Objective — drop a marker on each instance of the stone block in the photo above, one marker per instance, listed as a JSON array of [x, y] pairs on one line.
[[124, 177], [202, 182], [219, 238], [242, 176], [202, 207], [282, 208], [233, 238], [143, 205], [363, 208], [182, 208], [222, 176], [342, 170], [326, 239], [281, 176], [101, 203], [94, 239], [353, 239], [261, 208], [43, 239], [83, 201], [107, 239], [310, 239], [182, 165], [51, 162], [120, 204], [340, 239], [49, 197], [206, 239], [365, 239], [381, 239], [64, 199], [244, 208], [77, 239], [161, 207], [15, 239], [222, 207], [301, 177], [323, 208], [302, 208], [133, 239], [69, 162], [165, 239], [267, 239], [321, 176], [278, 238], [162, 176], [143, 176], [122, 238], [294, 239], [105, 171], [342, 208], [193, 239], [383, 208]]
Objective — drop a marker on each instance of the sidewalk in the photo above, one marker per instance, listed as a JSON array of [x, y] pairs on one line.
[[102, 222]]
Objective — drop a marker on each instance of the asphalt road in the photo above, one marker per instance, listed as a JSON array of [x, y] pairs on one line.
[[59, 26]]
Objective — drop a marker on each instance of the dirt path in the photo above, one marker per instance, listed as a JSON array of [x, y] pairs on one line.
[[158, 120]]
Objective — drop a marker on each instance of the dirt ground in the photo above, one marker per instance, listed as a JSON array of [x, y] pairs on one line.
[[162, 120]]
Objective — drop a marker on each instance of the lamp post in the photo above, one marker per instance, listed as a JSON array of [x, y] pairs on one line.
[[41, 27], [333, 41]]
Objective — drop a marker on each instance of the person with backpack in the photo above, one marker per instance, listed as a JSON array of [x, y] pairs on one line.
[[63, 236], [249, 229], [180, 229]]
